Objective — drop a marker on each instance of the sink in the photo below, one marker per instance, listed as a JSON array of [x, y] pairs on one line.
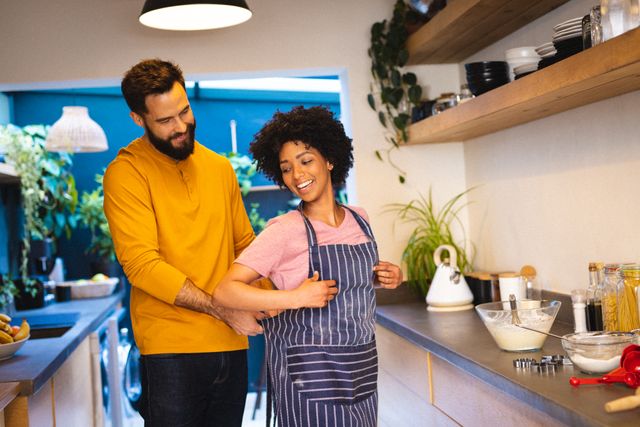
[[50, 325]]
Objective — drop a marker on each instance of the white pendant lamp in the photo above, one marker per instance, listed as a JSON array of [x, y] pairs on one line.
[[76, 132], [190, 15]]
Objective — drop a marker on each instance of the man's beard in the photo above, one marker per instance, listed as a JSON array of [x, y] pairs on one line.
[[165, 147]]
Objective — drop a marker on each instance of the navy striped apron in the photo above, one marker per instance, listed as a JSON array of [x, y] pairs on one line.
[[323, 362]]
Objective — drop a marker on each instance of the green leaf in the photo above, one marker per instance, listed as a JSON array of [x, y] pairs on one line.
[[378, 155], [372, 102], [415, 94], [396, 79], [382, 119], [401, 121], [403, 57], [410, 79], [401, 179]]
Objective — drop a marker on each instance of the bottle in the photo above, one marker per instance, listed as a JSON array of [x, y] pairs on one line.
[[594, 300], [579, 298], [610, 298]]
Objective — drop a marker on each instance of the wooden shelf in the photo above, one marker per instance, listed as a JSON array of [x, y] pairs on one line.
[[604, 71], [464, 27], [8, 174]]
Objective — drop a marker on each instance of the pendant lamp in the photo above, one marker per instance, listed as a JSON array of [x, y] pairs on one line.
[[189, 15], [76, 132]]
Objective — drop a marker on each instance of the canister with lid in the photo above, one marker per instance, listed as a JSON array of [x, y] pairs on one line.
[[628, 316]]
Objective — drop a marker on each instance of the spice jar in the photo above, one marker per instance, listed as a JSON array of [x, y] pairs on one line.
[[611, 281], [628, 301]]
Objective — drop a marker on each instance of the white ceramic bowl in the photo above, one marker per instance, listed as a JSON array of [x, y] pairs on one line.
[[91, 289], [8, 350]]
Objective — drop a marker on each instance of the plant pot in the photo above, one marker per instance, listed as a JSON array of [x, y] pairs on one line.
[[24, 300]]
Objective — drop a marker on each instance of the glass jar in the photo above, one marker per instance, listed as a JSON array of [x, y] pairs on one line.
[[617, 17], [628, 301], [611, 282]]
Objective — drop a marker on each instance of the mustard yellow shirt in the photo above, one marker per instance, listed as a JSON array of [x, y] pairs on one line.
[[171, 220]]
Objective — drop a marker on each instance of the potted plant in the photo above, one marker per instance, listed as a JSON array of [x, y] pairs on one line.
[[433, 228], [48, 198]]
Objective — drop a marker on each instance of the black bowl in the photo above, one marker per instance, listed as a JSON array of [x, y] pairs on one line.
[[486, 66], [479, 89], [488, 76], [489, 81]]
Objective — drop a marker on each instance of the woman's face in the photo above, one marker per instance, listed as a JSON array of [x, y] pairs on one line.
[[305, 171]]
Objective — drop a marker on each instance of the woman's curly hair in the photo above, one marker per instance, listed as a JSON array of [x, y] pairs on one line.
[[315, 127]]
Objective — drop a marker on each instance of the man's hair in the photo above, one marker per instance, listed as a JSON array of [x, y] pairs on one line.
[[315, 127], [149, 77]]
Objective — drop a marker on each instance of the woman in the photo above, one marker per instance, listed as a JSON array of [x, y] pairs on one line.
[[322, 361]]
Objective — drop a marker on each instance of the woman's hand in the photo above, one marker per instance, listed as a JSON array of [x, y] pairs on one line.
[[314, 293], [389, 275]]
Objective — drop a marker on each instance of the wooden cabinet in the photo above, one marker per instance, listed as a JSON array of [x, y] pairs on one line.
[[606, 70], [65, 400], [417, 388]]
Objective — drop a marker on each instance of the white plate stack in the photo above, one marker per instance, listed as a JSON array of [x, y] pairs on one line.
[[568, 29], [523, 59]]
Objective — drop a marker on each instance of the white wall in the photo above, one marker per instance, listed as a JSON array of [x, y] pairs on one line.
[[561, 191], [89, 41]]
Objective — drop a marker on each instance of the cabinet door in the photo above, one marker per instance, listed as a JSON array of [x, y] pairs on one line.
[[72, 389], [403, 384], [34, 410]]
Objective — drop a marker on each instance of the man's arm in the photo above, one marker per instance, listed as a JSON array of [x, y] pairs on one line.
[[193, 298]]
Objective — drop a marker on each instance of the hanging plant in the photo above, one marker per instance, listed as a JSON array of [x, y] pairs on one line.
[[393, 91]]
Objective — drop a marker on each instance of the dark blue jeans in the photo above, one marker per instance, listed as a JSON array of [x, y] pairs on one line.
[[198, 389]]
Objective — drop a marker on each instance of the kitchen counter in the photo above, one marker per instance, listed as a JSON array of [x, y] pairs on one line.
[[39, 359], [461, 339]]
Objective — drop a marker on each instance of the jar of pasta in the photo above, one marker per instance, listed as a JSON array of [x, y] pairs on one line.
[[612, 290], [628, 303]]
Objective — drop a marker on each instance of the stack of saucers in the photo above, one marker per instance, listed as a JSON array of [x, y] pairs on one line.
[[567, 41], [487, 75]]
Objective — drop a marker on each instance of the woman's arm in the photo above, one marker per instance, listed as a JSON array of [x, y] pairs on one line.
[[234, 292]]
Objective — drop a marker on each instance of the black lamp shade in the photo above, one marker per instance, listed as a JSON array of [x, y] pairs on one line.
[[189, 15]]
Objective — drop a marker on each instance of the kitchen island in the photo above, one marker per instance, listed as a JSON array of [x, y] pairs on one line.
[[51, 378], [445, 369]]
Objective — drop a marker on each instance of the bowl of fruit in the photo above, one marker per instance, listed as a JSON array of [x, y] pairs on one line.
[[12, 337]]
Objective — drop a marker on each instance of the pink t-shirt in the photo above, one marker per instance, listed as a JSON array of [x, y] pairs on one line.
[[281, 251]]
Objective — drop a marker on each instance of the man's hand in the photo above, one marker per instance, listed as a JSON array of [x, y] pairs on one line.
[[314, 293], [243, 322]]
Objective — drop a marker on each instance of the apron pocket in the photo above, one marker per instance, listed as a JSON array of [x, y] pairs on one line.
[[340, 374]]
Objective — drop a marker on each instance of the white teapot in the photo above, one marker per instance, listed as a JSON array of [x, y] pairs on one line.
[[448, 290]]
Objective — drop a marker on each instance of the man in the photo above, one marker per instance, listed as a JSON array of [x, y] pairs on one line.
[[177, 219]]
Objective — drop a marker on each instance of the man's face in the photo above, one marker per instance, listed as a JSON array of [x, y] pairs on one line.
[[169, 123]]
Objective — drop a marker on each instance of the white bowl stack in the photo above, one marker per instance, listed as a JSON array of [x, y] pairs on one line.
[[546, 50], [524, 59]]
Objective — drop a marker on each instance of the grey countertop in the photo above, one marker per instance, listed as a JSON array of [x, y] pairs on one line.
[[462, 339], [39, 359]]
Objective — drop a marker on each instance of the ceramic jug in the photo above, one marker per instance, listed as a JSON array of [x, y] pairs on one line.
[[448, 291]]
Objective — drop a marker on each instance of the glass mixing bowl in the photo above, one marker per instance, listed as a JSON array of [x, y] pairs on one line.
[[597, 352], [534, 314]]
